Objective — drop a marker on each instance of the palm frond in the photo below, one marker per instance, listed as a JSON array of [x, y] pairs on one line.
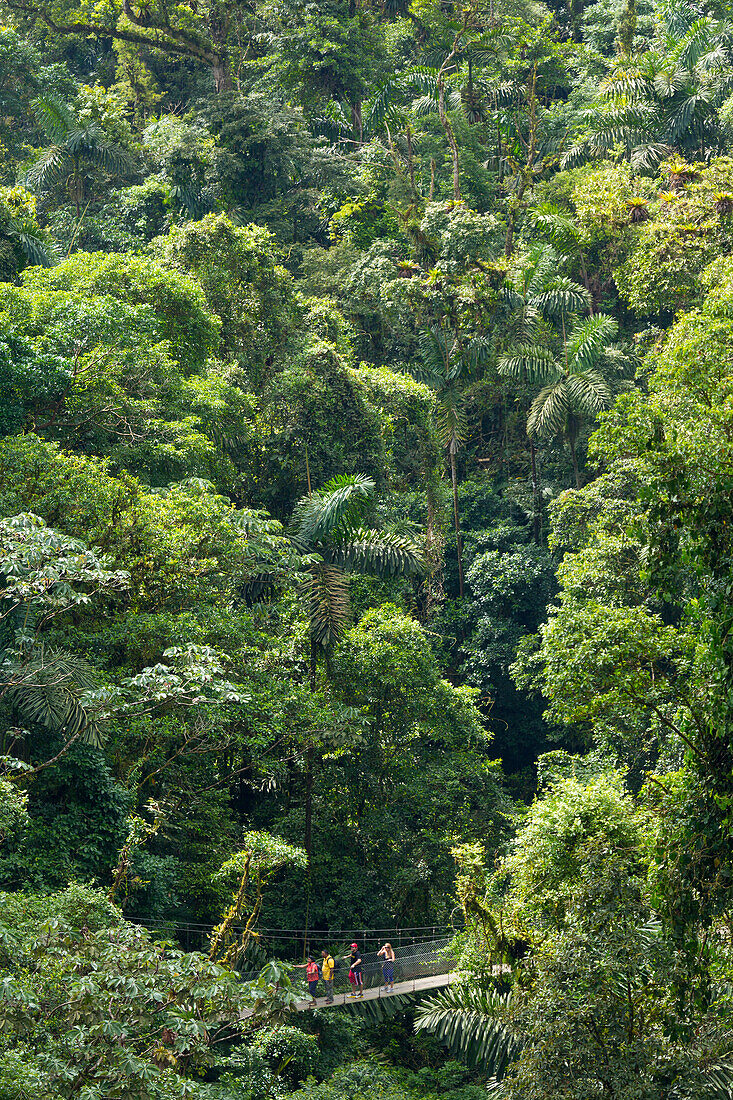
[[562, 296], [626, 83], [327, 589], [714, 1082], [113, 158], [680, 119], [47, 168], [436, 349], [386, 553], [422, 77], [539, 265], [425, 105], [35, 248], [317, 516], [719, 1082], [668, 82], [647, 157], [53, 116], [588, 339], [477, 353], [588, 392], [575, 155], [473, 1025], [335, 123], [697, 43], [451, 423], [49, 688], [558, 226], [548, 411], [383, 108], [383, 1008], [529, 363]]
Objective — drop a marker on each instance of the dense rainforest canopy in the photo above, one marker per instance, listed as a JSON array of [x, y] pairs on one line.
[[366, 545]]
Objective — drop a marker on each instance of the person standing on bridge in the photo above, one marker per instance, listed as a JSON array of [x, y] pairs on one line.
[[355, 975], [312, 974], [387, 953], [327, 968]]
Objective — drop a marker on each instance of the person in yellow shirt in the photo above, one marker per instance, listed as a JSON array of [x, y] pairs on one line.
[[327, 969]]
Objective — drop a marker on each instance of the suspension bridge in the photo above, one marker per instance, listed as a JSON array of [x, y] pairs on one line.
[[423, 957], [418, 968]]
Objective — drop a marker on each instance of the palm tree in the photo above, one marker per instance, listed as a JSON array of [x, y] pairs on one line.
[[446, 362], [538, 292], [76, 145], [328, 526], [669, 98], [538, 296], [574, 387]]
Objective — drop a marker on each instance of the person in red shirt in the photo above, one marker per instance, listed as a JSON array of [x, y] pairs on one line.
[[312, 975]]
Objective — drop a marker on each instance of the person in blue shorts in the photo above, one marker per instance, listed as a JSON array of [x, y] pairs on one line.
[[387, 953]]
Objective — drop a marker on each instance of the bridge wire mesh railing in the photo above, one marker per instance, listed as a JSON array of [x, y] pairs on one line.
[[412, 962]]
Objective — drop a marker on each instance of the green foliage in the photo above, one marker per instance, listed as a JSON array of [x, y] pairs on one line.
[[13, 813], [77, 980], [297, 282], [243, 283], [684, 233], [328, 524], [76, 142], [22, 241]]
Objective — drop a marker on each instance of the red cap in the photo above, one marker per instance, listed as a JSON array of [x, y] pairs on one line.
[[354, 946]]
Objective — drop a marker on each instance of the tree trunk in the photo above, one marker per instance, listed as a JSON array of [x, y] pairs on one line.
[[309, 754], [357, 123], [411, 164], [576, 471], [445, 121], [536, 496], [459, 551], [222, 74]]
